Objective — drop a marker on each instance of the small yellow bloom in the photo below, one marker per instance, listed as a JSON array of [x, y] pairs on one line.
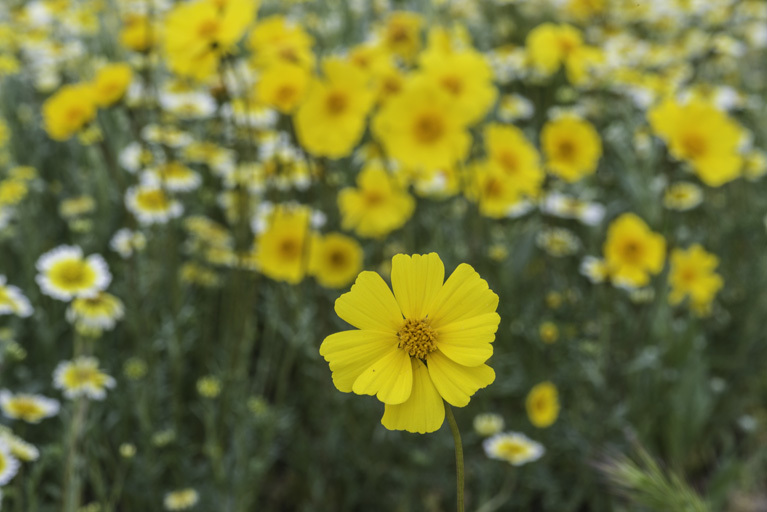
[[81, 377], [277, 40], [512, 447], [572, 147], [549, 332], [68, 111], [12, 192], [282, 249], [335, 259], [283, 86], [377, 206], [29, 408], [137, 32], [181, 499], [110, 84], [692, 276], [682, 196], [548, 46], [632, 251], [401, 34], [542, 404], [488, 424]]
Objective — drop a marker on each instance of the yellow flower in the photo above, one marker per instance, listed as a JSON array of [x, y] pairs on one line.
[[466, 77], [692, 276], [633, 252], [401, 34], [488, 424], [542, 404], [335, 259], [82, 378], [68, 110], [682, 196], [583, 10], [64, 273], [97, 313], [277, 40], [25, 407], [150, 204], [510, 152], [282, 86], [332, 119], [701, 135], [549, 45], [110, 83], [377, 206], [496, 193], [427, 342], [181, 499], [12, 192], [512, 447], [281, 250], [199, 33], [549, 332], [420, 128], [137, 33], [572, 147]]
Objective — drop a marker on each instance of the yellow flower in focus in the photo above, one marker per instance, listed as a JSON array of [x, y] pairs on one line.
[[282, 248], [632, 251], [466, 77], [572, 147], [335, 259], [401, 34], [378, 205], [692, 276], [548, 46], [278, 40], [199, 33], [420, 127], [82, 378], [701, 135], [427, 342], [542, 404], [68, 110], [110, 83], [282, 86], [29, 408], [331, 120]]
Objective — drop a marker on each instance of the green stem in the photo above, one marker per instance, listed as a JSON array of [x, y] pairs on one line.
[[458, 455]]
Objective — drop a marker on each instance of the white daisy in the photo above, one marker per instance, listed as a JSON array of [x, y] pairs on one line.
[[12, 301], [513, 447], [64, 273], [81, 377], [27, 407], [151, 204]]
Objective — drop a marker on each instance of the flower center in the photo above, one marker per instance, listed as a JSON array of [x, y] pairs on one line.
[[208, 29], [429, 128], [153, 200], [508, 161], [24, 408], [417, 338], [512, 449], [336, 103], [694, 145], [632, 251], [453, 84], [566, 150], [289, 249], [72, 274], [337, 259]]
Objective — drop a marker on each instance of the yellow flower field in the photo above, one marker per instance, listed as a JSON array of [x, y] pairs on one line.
[[385, 255]]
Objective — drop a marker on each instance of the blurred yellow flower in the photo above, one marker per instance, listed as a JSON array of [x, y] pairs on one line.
[[282, 249], [488, 424], [12, 192], [331, 120], [377, 206], [632, 251], [701, 135], [335, 259], [572, 147], [68, 110], [509, 151], [65, 273], [401, 34], [548, 46], [682, 196], [420, 128], [512, 447], [137, 32], [549, 332], [542, 404], [692, 276], [277, 40], [81, 377], [97, 313], [110, 83], [26, 407], [200, 33], [181, 499], [427, 342], [282, 86]]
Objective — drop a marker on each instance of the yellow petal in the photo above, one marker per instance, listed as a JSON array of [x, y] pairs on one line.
[[468, 342], [457, 383], [423, 412], [464, 295], [390, 378], [416, 280], [351, 352], [370, 305]]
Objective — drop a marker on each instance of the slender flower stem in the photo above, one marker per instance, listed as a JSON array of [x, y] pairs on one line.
[[458, 455]]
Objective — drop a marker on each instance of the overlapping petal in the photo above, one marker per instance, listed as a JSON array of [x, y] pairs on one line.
[[416, 281], [464, 295], [457, 383], [370, 304], [390, 378], [349, 353], [423, 412]]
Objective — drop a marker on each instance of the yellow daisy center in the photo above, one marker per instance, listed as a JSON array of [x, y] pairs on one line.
[[694, 145], [336, 103], [72, 274], [566, 150], [77, 377], [453, 83], [24, 408], [508, 161], [289, 249], [153, 200], [512, 449], [632, 251], [417, 338], [4, 297], [208, 29], [337, 259], [429, 128]]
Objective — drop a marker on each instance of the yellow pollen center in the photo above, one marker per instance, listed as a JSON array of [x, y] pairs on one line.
[[289, 249], [509, 162], [566, 150], [512, 449], [336, 103], [694, 145], [417, 338], [453, 84], [337, 259], [25, 408], [632, 251], [72, 274], [208, 29], [153, 200], [429, 128]]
